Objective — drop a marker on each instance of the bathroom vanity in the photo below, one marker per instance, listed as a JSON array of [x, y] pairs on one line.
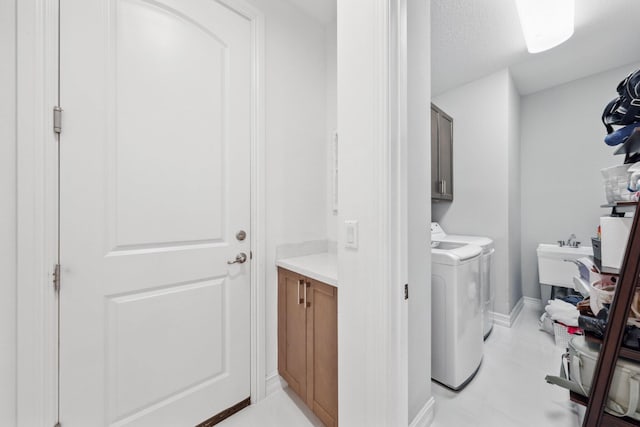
[[308, 331]]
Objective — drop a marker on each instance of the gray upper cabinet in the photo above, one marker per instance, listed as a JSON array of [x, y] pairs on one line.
[[441, 155]]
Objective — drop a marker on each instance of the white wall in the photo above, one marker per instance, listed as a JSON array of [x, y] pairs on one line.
[[296, 142], [372, 336], [562, 153], [483, 113], [419, 212], [514, 179], [7, 215], [354, 266], [331, 55]]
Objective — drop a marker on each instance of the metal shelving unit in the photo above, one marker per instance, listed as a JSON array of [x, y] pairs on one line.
[[612, 341]]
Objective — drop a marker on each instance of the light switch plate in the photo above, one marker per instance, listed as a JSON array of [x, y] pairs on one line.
[[351, 234]]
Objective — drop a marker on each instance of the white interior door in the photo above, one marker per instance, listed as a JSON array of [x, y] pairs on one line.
[[155, 184]]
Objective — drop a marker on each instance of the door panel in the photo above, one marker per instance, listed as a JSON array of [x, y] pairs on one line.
[[445, 153], [441, 155], [435, 180], [185, 88], [322, 351], [292, 331], [142, 346], [155, 173]]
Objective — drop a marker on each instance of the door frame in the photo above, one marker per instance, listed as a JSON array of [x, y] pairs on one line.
[[37, 32]]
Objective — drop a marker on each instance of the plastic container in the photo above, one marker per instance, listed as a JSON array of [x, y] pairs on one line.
[[595, 244], [613, 240], [602, 292]]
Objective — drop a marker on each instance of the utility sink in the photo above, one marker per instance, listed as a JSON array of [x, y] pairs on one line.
[[556, 267]]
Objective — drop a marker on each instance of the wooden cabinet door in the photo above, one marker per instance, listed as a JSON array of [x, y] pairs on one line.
[[292, 331], [441, 155], [322, 351], [436, 188], [445, 155]]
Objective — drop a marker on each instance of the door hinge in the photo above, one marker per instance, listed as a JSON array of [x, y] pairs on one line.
[[57, 119], [406, 291], [56, 278]]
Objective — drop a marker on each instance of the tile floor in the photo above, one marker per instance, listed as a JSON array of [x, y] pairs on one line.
[[281, 409], [508, 391]]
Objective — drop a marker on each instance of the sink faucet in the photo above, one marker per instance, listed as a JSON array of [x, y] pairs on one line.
[[572, 242]]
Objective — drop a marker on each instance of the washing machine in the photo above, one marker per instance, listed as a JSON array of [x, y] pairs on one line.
[[456, 313], [486, 266]]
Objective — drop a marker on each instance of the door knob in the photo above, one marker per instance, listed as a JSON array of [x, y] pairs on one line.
[[241, 258]]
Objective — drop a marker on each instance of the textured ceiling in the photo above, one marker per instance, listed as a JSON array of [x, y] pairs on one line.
[[322, 10], [473, 38]]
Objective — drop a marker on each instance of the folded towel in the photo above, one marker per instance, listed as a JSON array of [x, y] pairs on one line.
[[567, 320], [563, 312]]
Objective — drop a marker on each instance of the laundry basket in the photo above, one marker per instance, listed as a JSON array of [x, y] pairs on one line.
[[563, 333]]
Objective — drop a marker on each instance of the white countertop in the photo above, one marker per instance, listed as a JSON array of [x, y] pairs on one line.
[[322, 267]]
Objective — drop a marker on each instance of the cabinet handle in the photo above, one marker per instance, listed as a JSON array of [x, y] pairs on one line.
[[444, 187], [306, 303], [300, 282]]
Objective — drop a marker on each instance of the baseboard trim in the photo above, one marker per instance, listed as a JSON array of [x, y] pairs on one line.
[[500, 319], [532, 302], [274, 383], [508, 320], [426, 415]]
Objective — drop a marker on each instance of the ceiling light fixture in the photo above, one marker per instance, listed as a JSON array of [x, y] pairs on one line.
[[546, 23]]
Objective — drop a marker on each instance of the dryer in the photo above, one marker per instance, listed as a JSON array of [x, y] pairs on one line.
[[456, 314], [486, 266]]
